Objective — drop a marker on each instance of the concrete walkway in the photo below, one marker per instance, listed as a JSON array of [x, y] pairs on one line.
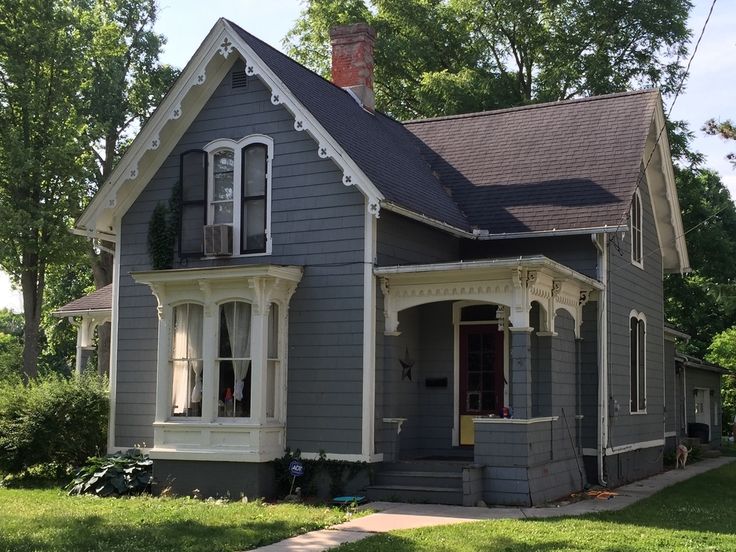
[[392, 516]]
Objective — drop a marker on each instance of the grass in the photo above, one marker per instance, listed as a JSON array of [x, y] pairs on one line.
[[696, 515], [49, 520]]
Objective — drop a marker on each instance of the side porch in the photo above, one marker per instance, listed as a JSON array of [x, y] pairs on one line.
[[485, 371]]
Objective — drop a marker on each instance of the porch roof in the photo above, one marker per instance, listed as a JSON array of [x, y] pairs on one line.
[[513, 283]]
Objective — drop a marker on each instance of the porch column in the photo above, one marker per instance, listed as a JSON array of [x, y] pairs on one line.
[[521, 372]]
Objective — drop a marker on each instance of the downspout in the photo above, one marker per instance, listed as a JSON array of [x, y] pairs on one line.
[[602, 247]]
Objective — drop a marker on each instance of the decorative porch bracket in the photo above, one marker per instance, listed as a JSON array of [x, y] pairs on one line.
[[514, 283]]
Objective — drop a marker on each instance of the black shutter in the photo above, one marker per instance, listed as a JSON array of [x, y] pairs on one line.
[[193, 179]]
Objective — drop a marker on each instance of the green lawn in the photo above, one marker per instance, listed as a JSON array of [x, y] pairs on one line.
[[49, 520], [697, 515]]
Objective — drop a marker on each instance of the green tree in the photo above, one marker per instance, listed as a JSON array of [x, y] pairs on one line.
[[126, 83], [11, 344], [725, 130], [702, 303], [436, 57], [42, 51], [722, 351]]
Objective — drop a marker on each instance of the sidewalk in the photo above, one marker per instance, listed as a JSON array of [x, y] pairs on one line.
[[392, 516]]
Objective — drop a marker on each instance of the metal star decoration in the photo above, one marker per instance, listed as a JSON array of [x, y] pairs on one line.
[[406, 364]]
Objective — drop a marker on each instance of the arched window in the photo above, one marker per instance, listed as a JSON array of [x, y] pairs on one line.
[[225, 189], [637, 241], [186, 361], [638, 356]]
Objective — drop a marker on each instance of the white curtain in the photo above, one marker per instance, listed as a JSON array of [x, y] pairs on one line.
[[237, 318], [180, 386], [194, 349]]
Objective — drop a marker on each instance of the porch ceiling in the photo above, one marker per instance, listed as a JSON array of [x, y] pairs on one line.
[[511, 282]]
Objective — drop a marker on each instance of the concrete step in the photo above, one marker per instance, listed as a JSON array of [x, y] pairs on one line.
[[448, 480], [425, 466], [711, 453], [411, 493]]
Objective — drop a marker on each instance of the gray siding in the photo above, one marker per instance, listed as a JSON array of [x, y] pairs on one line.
[[404, 241], [705, 379], [577, 252], [317, 222], [631, 288]]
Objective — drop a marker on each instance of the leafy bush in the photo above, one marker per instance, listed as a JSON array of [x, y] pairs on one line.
[[52, 420], [130, 473], [322, 477]]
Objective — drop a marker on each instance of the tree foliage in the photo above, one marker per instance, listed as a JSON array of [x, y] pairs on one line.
[[703, 303], [726, 130], [440, 57], [77, 78], [42, 184]]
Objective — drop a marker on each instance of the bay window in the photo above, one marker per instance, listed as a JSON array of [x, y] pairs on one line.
[[221, 370]]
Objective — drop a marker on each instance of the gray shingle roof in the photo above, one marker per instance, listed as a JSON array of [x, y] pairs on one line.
[[562, 165], [99, 300]]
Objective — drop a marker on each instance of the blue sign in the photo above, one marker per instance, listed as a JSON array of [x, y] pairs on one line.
[[296, 468]]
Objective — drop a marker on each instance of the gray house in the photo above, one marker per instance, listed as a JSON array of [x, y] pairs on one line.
[[472, 304]]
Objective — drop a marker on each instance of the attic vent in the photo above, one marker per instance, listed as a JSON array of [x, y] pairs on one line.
[[240, 79]]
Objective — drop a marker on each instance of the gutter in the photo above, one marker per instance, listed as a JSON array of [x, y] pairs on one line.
[[602, 247], [486, 235]]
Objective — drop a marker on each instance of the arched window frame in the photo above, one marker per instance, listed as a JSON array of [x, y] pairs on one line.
[[637, 230], [638, 362], [238, 147]]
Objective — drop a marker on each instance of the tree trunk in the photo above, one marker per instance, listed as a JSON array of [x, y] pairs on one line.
[[102, 272], [32, 285]]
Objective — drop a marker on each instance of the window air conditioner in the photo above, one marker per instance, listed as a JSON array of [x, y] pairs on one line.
[[218, 240]]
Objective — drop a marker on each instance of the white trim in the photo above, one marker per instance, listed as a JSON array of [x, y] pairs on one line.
[[203, 73], [237, 147], [639, 224], [668, 434], [625, 448], [114, 322], [518, 421], [369, 336]]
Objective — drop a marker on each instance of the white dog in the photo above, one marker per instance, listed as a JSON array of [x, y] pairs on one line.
[[681, 459]]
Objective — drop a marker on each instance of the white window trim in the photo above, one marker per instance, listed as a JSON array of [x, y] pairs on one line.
[[237, 147], [641, 317], [258, 438], [640, 225]]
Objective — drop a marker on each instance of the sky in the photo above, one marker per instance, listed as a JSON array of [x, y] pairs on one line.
[[710, 90]]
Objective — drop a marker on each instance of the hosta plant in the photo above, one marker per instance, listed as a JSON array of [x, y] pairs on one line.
[[119, 474]]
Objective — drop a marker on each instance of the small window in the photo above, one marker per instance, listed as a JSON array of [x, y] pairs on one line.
[[223, 174], [637, 341], [186, 361], [637, 243], [273, 372]]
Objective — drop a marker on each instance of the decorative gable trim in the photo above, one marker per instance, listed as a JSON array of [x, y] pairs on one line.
[[665, 204], [178, 110]]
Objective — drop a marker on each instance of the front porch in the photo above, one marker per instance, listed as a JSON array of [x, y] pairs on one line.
[[484, 363]]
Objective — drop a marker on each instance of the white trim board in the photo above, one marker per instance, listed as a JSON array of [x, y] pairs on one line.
[[182, 104], [612, 451]]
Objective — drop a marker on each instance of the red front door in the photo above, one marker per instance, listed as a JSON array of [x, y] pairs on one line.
[[481, 375]]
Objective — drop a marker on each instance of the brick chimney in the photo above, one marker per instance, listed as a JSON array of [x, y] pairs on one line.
[[352, 60]]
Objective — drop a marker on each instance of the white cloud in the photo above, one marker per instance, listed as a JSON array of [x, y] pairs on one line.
[[9, 297]]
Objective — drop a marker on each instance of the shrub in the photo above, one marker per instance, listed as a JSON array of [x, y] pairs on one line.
[[52, 420], [130, 473]]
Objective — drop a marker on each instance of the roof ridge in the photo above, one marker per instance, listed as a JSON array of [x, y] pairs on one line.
[[527, 107]]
